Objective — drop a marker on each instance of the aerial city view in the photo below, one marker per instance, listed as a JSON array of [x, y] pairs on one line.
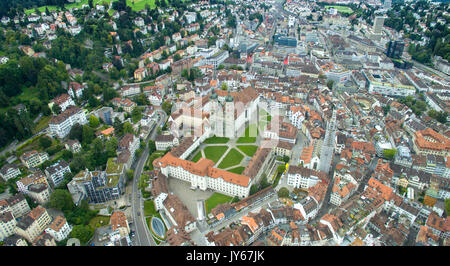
[[224, 123]]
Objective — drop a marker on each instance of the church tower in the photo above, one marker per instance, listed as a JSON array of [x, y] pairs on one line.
[[229, 116]]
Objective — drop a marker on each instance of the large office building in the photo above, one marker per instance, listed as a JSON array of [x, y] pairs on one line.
[[378, 24], [98, 186]]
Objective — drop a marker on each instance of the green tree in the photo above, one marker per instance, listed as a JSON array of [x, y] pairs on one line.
[[45, 142], [62, 200], [224, 86], [330, 84], [136, 114], [94, 122], [130, 175], [281, 168], [56, 109], [128, 128], [78, 163], [442, 117], [264, 182], [111, 146], [151, 146], [67, 155], [283, 192], [82, 232], [167, 107], [88, 134], [389, 153], [254, 189], [76, 132]]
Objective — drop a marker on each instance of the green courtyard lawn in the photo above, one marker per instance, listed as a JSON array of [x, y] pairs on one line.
[[246, 140], [232, 158], [216, 140], [149, 208], [249, 135], [197, 157], [215, 200], [238, 170], [249, 150], [99, 221], [215, 152]]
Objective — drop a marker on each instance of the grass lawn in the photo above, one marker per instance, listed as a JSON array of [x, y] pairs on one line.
[[42, 124], [197, 157], [246, 140], [249, 135], [99, 221], [238, 170], [215, 200], [152, 157], [67, 6], [215, 152], [248, 149], [216, 140], [233, 157], [136, 5], [263, 112], [149, 208], [342, 9]]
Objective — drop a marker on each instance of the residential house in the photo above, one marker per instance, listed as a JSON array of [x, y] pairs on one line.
[[163, 142], [39, 192], [18, 205], [55, 173], [33, 158], [75, 89], [35, 178], [9, 171], [33, 224], [63, 101], [119, 222], [61, 124]]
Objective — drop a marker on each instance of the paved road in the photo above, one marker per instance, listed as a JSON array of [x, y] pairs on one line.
[[142, 233]]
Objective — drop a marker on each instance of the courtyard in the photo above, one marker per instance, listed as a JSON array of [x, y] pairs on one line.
[[235, 154], [188, 196]]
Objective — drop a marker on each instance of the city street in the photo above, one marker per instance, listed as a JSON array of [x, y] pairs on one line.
[[142, 234]]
